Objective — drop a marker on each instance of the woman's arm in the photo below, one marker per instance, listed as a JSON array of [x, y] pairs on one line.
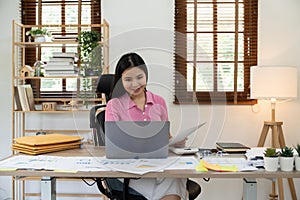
[[111, 113], [164, 114]]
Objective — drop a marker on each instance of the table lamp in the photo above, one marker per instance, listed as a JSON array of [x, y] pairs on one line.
[[274, 83]]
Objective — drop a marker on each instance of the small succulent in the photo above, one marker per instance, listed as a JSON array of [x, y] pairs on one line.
[[297, 148], [271, 152], [287, 152]]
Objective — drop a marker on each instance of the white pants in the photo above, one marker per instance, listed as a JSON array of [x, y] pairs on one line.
[[157, 188]]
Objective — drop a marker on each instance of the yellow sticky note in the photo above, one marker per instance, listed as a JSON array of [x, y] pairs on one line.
[[210, 166], [219, 168], [200, 168], [231, 168]]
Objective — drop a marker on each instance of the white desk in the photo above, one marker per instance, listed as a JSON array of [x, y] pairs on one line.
[[48, 180]]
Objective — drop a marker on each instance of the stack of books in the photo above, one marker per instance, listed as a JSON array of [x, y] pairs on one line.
[[40, 144], [64, 38], [231, 147], [62, 64]]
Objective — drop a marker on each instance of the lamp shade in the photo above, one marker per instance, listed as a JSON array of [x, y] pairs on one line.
[[278, 82]]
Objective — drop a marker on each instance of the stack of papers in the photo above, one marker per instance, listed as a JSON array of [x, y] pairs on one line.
[[35, 145]]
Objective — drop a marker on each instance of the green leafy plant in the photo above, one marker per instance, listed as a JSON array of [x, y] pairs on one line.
[[90, 51], [87, 91], [90, 61], [297, 148], [271, 152], [37, 31], [287, 152]]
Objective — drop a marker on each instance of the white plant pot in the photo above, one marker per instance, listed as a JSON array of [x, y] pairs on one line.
[[297, 163], [286, 163], [271, 163], [40, 38]]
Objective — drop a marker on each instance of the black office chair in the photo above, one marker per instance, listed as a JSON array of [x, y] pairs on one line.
[[112, 187]]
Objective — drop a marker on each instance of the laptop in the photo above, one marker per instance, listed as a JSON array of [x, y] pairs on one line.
[[136, 139]]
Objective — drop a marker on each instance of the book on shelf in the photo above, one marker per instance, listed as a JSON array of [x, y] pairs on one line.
[[17, 99], [25, 95], [65, 54], [61, 74], [60, 67], [62, 59], [59, 63], [231, 147], [64, 38], [30, 97], [23, 98], [62, 70]]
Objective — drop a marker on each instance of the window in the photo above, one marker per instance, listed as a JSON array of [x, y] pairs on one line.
[[215, 46], [58, 12]]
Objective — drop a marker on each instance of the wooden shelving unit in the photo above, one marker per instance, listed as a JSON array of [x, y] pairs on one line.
[[20, 118]]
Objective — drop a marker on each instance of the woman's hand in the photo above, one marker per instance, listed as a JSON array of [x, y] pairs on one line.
[[180, 144]]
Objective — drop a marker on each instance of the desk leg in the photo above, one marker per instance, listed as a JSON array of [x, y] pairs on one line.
[[48, 188], [249, 189]]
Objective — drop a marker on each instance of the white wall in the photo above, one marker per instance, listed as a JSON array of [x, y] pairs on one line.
[[147, 27], [9, 11]]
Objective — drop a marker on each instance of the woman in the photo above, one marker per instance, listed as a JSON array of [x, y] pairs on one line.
[[131, 101]]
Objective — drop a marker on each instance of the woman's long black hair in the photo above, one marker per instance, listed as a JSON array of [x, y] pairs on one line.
[[126, 61]]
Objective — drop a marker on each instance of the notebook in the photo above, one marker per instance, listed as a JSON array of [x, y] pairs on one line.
[[136, 139], [231, 147]]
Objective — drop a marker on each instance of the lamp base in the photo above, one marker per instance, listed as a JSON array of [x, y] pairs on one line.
[[277, 142], [277, 134]]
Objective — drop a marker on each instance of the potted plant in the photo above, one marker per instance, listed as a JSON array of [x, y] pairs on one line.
[[286, 159], [90, 53], [297, 158], [271, 159], [87, 92], [38, 34]]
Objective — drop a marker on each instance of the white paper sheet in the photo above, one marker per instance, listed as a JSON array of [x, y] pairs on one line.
[[183, 134], [183, 163], [138, 166], [74, 164]]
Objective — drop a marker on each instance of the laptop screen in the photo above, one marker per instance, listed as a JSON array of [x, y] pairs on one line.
[[137, 139]]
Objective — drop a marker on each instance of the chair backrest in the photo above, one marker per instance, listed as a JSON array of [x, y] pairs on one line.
[[97, 113], [105, 85]]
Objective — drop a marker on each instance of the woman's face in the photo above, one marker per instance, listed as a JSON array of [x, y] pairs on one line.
[[134, 81]]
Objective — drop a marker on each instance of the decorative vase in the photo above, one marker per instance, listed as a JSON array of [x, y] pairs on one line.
[[297, 163], [271, 163], [286, 163]]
